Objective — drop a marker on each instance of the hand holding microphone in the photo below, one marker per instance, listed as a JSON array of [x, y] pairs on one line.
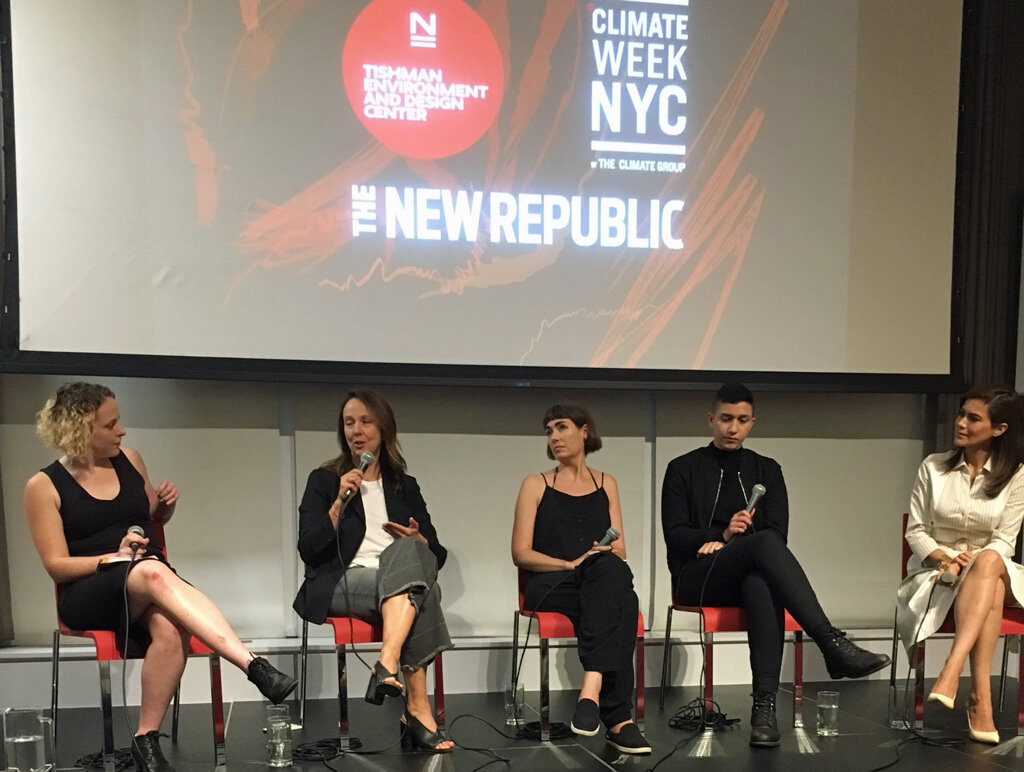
[[741, 522], [344, 494], [609, 536], [136, 544]]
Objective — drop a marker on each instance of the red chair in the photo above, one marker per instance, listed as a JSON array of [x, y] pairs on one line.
[[732, 619], [1013, 624], [108, 649], [551, 624], [349, 631]]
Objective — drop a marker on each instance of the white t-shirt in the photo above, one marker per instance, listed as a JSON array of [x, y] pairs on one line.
[[376, 538]]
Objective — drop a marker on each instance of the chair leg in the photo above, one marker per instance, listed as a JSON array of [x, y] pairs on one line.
[[217, 707], [438, 691], [709, 668], [893, 708], [640, 697], [303, 660], [1020, 686], [515, 648], [343, 743], [53, 686], [798, 679], [175, 711], [108, 716], [1002, 672], [666, 658], [545, 694], [919, 685]]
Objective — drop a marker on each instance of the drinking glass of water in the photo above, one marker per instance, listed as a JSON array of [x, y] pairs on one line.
[[279, 736], [828, 714], [28, 740]]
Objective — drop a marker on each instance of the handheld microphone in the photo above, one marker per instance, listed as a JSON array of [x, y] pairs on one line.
[[609, 536], [755, 496], [947, 578], [137, 531], [365, 462]]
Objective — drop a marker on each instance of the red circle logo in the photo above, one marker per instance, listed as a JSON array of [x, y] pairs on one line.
[[425, 77]]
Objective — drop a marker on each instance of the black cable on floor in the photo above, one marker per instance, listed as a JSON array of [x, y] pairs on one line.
[[122, 758], [674, 750], [696, 715], [556, 731], [494, 756]]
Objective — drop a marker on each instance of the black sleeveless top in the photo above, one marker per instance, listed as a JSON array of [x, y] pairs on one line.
[[96, 526], [566, 526]]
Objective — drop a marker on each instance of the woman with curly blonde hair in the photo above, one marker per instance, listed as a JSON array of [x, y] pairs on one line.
[[80, 511]]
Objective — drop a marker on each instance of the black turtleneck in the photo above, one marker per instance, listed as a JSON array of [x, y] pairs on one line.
[[732, 496]]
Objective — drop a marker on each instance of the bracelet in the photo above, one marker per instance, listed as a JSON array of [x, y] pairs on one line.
[[944, 562]]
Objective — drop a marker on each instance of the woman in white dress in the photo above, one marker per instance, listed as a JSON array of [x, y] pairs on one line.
[[965, 514]]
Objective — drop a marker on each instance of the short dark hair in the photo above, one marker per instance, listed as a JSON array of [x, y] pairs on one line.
[[579, 416], [731, 394]]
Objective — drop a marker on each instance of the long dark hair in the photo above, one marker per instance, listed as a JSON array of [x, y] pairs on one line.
[[392, 464], [1006, 453]]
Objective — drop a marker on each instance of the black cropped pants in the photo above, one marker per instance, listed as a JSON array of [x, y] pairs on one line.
[[598, 597]]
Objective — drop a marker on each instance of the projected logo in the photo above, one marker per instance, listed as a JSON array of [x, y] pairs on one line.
[[425, 77], [638, 87]]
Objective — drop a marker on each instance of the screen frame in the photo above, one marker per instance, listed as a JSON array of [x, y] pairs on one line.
[[15, 360]]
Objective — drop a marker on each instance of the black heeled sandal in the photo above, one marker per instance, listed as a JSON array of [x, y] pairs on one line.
[[379, 688], [416, 737]]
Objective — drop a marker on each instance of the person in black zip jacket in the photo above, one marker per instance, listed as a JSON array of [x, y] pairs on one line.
[[721, 554]]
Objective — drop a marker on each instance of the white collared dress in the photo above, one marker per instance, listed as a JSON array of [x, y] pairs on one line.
[[948, 513]]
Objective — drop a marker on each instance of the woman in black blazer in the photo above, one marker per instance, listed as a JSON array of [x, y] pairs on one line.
[[371, 552]]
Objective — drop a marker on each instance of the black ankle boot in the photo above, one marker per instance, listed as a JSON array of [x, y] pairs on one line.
[[847, 660], [147, 755], [764, 729], [272, 683]]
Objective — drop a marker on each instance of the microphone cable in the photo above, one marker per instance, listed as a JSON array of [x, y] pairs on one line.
[[938, 741]]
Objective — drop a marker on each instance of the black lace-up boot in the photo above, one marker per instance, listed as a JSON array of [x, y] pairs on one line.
[[272, 683], [147, 755], [764, 729], [847, 660]]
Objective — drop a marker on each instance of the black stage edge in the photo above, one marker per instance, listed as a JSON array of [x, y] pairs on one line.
[[864, 742]]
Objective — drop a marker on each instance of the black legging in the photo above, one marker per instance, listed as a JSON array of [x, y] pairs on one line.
[[758, 572], [599, 599]]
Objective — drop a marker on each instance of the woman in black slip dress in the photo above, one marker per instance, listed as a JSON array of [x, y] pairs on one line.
[[560, 517], [79, 510]]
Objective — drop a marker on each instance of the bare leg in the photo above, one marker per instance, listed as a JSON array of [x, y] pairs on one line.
[[161, 668], [591, 689], [973, 606], [979, 705], [419, 705], [398, 614], [153, 583]]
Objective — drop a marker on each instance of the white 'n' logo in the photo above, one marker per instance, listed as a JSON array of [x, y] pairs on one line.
[[422, 32]]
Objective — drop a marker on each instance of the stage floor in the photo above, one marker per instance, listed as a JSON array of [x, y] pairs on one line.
[[864, 742]]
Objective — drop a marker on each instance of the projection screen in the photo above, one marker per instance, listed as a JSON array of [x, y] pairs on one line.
[[640, 185]]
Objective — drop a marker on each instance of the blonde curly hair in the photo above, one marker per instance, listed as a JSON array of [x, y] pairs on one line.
[[67, 418]]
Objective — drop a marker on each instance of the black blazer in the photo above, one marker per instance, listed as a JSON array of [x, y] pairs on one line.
[[317, 544]]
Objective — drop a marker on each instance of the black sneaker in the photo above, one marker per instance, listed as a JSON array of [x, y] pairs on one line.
[[586, 720], [629, 739], [764, 728], [847, 660], [147, 755], [272, 683]]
